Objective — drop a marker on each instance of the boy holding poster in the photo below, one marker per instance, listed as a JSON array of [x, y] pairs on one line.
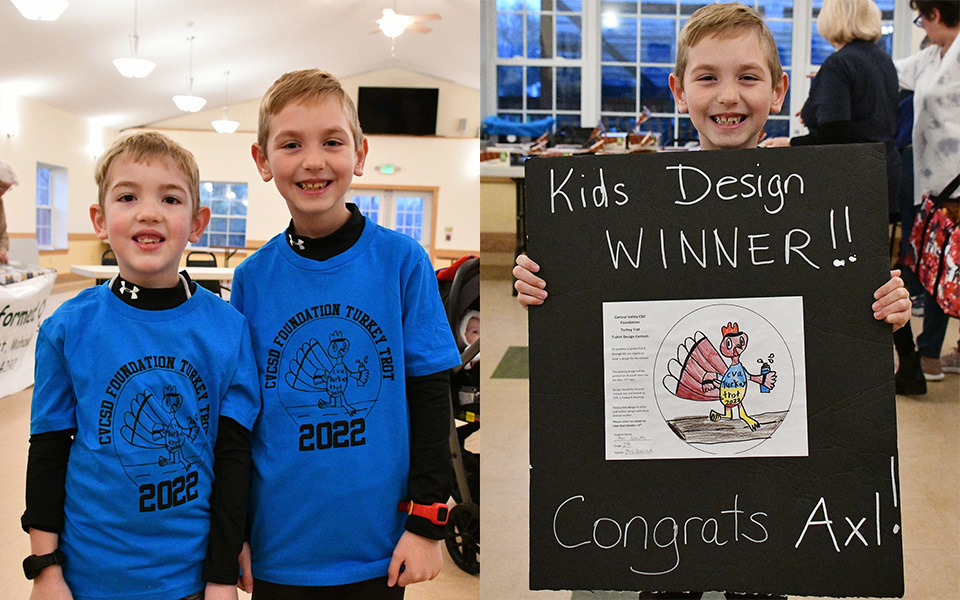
[[728, 78]]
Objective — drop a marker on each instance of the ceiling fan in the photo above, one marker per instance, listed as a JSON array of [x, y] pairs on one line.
[[392, 23]]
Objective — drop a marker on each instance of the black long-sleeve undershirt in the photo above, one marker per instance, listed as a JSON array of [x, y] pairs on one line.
[[431, 470], [228, 502], [46, 480]]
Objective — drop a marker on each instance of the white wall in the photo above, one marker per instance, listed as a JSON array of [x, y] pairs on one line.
[[455, 102], [55, 137], [450, 164]]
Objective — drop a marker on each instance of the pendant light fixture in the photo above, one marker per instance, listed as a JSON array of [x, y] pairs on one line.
[[225, 125], [41, 10], [135, 68], [189, 102], [393, 24]]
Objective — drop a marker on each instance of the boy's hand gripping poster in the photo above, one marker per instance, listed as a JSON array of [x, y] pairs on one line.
[[711, 400]]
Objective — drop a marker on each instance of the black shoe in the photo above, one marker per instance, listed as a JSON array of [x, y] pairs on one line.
[[909, 379]]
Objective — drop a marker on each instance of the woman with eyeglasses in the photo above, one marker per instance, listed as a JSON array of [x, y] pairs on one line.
[[934, 76]]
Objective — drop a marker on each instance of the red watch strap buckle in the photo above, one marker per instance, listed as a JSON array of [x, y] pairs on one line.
[[436, 513]]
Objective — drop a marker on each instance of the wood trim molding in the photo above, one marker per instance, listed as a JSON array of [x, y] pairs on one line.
[[83, 237], [450, 254], [496, 241], [71, 237], [403, 188]]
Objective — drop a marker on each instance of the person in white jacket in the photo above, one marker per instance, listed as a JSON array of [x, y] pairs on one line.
[[934, 76]]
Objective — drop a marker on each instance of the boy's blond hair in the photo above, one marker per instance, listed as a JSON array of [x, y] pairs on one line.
[[842, 21], [300, 86], [145, 146], [726, 21]]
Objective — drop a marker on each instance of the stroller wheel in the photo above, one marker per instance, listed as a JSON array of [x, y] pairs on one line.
[[463, 537]]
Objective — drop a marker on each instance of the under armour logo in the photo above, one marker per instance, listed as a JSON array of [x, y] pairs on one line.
[[133, 291], [298, 243]]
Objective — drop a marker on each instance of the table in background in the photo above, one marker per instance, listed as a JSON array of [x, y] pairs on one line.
[[196, 273], [497, 169]]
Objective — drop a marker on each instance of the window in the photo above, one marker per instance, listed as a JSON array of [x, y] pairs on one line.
[[228, 215], [407, 211], [51, 206], [608, 61], [44, 208], [820, 48], [638, 52], [540, 60]]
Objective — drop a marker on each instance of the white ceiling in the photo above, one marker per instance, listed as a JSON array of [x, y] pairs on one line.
[[68, 64]]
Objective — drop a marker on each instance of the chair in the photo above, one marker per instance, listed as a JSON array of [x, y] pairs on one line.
[[107, 258], [204, 259]]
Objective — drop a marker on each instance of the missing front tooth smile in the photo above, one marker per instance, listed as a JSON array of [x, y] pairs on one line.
[[313, 186], [728, 120]]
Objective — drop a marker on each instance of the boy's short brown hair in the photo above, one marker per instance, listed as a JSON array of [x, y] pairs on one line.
[[306, 85], [726, 20], [144, 146]]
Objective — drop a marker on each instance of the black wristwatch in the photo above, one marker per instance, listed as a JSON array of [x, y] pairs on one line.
[[33, 564]]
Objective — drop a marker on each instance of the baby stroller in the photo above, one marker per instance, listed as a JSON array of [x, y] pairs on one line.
[[460, 291]]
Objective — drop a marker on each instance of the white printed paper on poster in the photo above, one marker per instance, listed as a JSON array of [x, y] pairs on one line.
[[715, 378]]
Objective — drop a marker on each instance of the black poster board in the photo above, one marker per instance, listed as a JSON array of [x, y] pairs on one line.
[[808, 222]]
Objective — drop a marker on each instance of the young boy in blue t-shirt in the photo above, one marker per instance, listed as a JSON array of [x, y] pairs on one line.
[[729, 79], [353, 348], [145, 393]]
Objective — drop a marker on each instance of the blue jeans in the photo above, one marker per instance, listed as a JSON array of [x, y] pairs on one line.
[[935, 322]]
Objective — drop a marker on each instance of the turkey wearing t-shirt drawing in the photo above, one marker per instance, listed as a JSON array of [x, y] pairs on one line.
[[145, 427], [699, 373], [319, 369]]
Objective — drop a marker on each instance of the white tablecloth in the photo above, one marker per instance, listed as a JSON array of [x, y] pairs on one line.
[[23, 298]]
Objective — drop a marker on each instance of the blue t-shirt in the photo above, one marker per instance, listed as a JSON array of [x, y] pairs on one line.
[[334, 341], [733, 386], [144, 391]]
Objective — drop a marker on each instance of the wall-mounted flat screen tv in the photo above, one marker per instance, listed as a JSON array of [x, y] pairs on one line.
[[398, 110]]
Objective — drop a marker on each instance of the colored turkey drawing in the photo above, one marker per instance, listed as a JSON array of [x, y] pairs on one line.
[[706, 372]]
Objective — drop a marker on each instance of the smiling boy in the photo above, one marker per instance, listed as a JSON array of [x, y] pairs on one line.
[[353, 348], [728, 77], [313, 183], [729, 94], [151, 219], [139, 450]]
